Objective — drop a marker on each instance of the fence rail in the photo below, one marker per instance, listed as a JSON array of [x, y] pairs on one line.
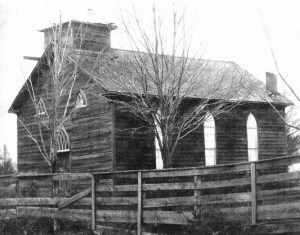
[[243, 192]]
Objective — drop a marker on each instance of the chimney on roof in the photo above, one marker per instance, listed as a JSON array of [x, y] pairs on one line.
[[271, 83], [81, 35]]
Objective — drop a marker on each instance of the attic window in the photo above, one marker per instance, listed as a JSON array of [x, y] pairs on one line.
[[63, 140], [81, 100], [210, 141], [41, 109], [252, 138]]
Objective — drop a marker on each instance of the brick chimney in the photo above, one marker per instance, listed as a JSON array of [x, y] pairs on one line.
[[271, 83], [82, 35]]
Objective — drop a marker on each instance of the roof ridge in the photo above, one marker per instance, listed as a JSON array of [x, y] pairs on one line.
[[95, 53], [213, 60]]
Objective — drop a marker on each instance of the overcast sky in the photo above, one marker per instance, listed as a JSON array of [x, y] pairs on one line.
[[226, 30]]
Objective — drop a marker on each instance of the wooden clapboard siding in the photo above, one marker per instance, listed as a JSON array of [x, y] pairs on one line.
[[104, 138], [89, 129], [90, 136], [190, 150], [231, 137], [232, 133], [134, 148], [95, 38]]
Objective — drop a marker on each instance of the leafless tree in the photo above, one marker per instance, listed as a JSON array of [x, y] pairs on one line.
[[293, 137], [54, 101], [6, 165], [282, 77], [165, 83]]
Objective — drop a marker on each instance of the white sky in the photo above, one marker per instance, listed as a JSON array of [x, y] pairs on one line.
[[228, 30]]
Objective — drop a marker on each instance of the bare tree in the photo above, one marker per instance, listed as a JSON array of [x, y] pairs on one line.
[[293, 137], [290, 120], [6, 165], [54, 102], [167, 85]]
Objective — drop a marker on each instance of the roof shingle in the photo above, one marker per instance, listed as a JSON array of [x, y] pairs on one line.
[[204, 78]]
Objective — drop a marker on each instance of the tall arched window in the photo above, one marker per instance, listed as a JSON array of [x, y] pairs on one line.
[[158, 156], [63, 155], [210, 141], [252, 138], [63, 140], [81, 100]]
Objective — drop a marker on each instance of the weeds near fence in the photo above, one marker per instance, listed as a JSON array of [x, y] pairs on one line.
[[42, 226], [209, 221]]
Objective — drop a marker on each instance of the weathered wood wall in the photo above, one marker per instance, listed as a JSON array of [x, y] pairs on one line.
[[82, 36], [134, 146], [136, 150], [104, 138], [231, 137], [89, 129], [29, 157]]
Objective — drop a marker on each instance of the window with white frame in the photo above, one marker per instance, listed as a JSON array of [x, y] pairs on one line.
[[63, 140], [252, 138], [158, 155], [210, 141], [41, 109], [81, 100]]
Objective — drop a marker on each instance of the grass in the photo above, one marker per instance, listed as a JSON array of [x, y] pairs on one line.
[[42, 226]]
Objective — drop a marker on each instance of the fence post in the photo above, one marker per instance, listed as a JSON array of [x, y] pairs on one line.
[[253, 194], [197, 193], [55, 192], [17, 188], [139, 212], [94, 211]]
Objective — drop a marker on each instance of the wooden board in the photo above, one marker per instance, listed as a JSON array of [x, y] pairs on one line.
[[66, 214], [156, 217], [280, 211], [74, 198]]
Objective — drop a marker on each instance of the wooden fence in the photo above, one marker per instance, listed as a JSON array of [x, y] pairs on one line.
[[262, 192]]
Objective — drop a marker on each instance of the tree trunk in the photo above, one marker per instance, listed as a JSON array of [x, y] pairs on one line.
[[167, 159], [53, 167]]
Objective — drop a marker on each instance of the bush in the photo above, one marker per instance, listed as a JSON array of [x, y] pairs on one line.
[[209, 221], [8, 192], [78, 227], [28, 226], [30, 190]]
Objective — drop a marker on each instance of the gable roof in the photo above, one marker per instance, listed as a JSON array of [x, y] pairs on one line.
[[31, 81], [233, 80], [220, 78]]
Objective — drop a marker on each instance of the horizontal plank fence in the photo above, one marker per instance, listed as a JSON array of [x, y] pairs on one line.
[[263, 192]]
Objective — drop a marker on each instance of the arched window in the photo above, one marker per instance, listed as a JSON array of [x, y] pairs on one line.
[[158, 155], [41, 110], [63, 140], [210, 141], [81, 100], [252, 138]]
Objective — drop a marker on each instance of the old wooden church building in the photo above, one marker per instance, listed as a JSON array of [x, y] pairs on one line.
[[98, 133]]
